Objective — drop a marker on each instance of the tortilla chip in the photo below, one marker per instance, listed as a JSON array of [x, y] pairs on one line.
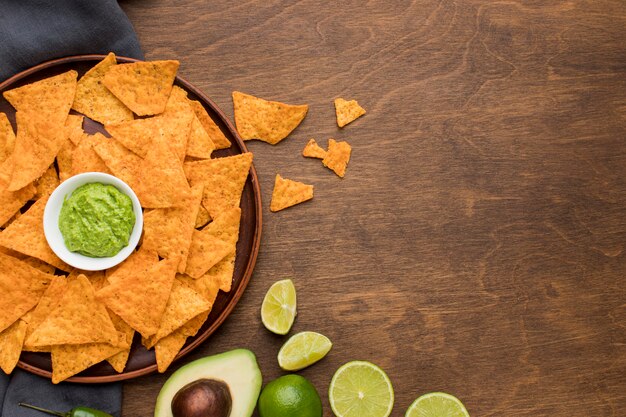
[[95, 101], [85, 158], [337, 157], [215, 133], [223, 179], [269, 121], [158, 180], [7, 137], [48, 182], [143, 87], [74, 134], [11, 342], [74, 128], [137, 263], [12, 201], [347, 111], [313, 150], [38, 264], [168, 231], [79, 319], [69, 360], [36, 145], [126, 334], [49, 99], [140, 298], [223, 272], [203, 217], [25, 235], [50, 301], [21, 287], [213, 243], [288, 193], [140, 135]]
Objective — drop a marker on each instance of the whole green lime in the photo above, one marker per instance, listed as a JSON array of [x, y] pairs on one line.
[[290, 396]]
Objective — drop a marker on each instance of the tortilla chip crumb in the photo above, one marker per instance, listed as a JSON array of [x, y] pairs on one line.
[[337, 156], [288, 193], [313, 150], [347, 111]]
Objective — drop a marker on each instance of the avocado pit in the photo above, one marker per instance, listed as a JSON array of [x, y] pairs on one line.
[[203, 398]]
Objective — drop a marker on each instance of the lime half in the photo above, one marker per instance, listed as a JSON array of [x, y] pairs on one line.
[[437, 404], [278, 310], [360, 389], [303, 349]]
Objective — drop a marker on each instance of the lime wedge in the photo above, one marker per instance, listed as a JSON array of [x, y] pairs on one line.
[[303, 349], [360, 389], [278, 310], [437, 404]]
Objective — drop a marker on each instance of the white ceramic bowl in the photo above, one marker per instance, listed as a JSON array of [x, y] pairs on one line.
[[55, 238]]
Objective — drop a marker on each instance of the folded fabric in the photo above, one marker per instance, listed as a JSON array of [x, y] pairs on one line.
[[22, 387], [35, 31]]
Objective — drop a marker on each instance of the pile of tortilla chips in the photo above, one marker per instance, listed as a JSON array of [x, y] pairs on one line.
[[166, 289]]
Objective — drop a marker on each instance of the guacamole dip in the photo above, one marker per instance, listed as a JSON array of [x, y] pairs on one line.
[[96, 220]]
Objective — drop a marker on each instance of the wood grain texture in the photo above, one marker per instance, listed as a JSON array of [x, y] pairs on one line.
[[477, 244]]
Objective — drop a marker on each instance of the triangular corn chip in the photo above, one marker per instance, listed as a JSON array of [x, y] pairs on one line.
[[142, 86], [47, 183], [69, 360], [269, 121], [79, 319], [7, 138], [222, 272], [12, 201], [74, 128], [140, 298], [288, 193], [203, 217], [347, 111], [50, 301], [74, 134], [313, 150], [85, 158], [223, 179], [125, 333], [158, 180], [137, 263], [95, 101], [215, 133], [25, 235], [337, 157], [11, 342], [168, 231]]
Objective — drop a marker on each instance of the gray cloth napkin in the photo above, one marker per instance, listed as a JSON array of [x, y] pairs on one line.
[[27, 388], [34, 31]]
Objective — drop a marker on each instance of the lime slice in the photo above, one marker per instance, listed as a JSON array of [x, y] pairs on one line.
[[278, 310], [302, 350], [360, 389], [437, 404]]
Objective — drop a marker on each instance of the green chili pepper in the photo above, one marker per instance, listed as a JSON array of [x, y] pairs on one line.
[[74, 412]]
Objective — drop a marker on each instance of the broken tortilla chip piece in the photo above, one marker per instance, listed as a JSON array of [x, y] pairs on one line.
[[85, 158], [7, 137], [347, 111], [140, 298], [25, 235], [94, 100], [11, 342], [143, 87], [269, 121], [80, 318], [168, 231], [212, 129], [12, 201], [203, 217], [288, 193], [21, 287], [313, 150], [47, 183], [337, 156], [74, 128], [125, 333], [223, 179], [49, 302], [69, 360]]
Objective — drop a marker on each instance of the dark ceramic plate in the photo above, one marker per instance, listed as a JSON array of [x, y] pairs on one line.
[[142, 361]]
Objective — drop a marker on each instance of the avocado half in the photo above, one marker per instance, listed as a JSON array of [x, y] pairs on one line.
[[237, 368]]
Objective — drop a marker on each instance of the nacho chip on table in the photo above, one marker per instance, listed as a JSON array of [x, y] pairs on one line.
[[94, 100], [313, 150], [288, 193], [49, 302], [85, 158], [25, 235], [47, 183], [21, 287], [140, 298], [11, 342], [337, 157], [143, 87], [7, 137], [158, 180], [223, 179], [211, 128], [79, 319], [168, 231], [269, 121], [69, 360], [347, 111]]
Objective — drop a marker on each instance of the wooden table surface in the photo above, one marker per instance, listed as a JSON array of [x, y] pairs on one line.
[[477, 244]]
